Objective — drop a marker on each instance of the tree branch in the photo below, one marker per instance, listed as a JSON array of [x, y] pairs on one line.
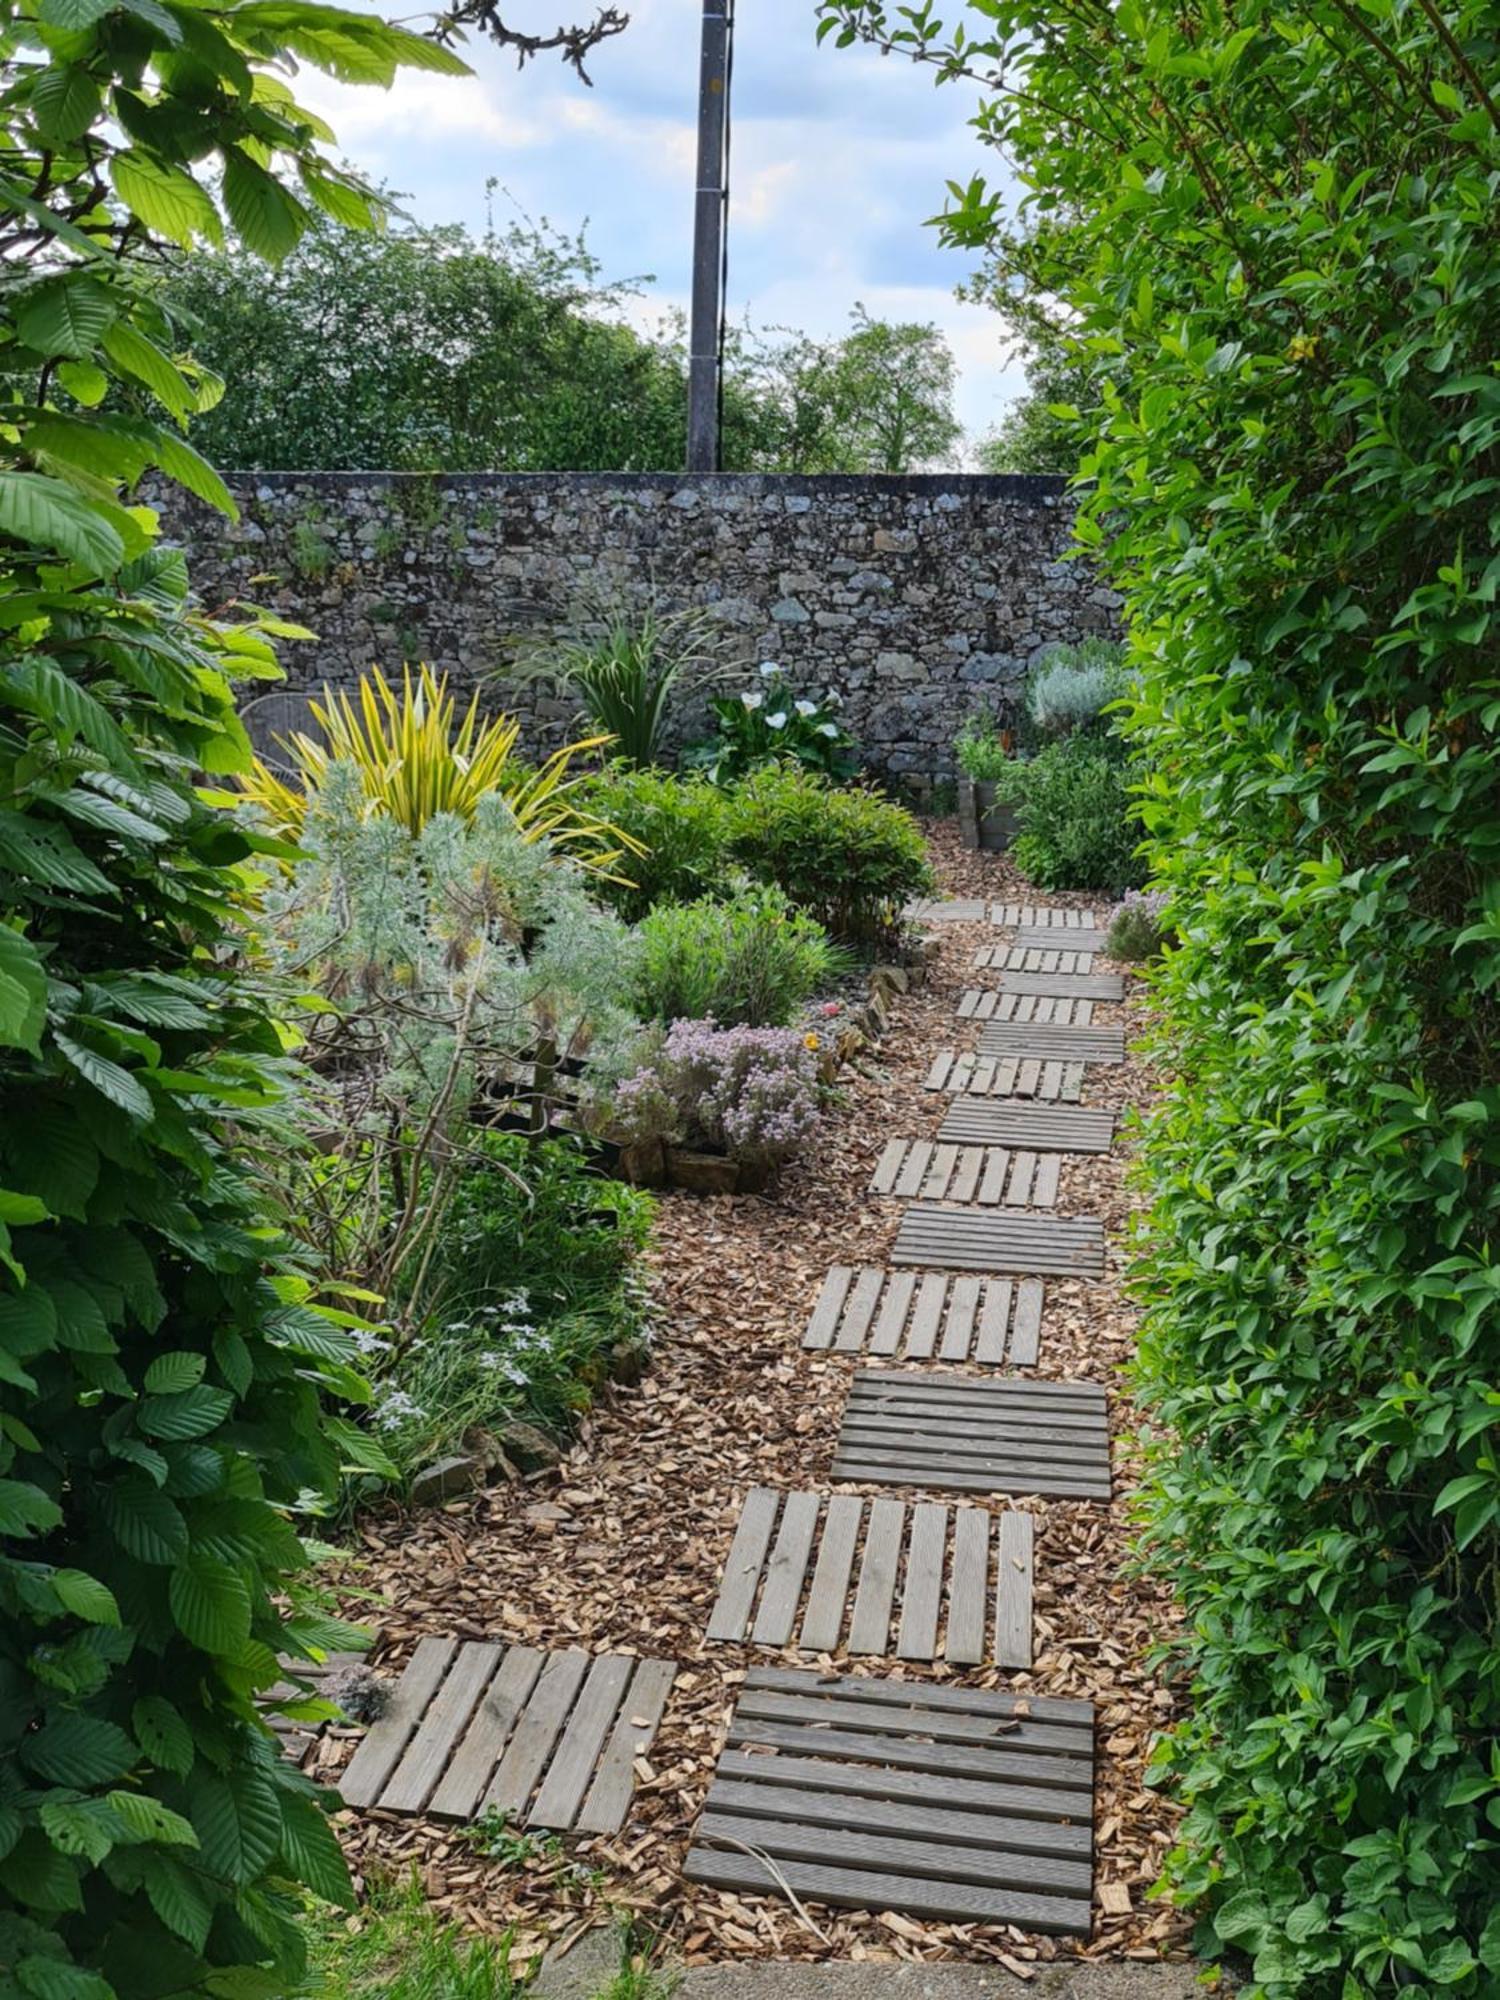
[[575, 44]]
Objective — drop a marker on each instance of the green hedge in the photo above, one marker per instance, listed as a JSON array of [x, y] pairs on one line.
[[1277, 231]]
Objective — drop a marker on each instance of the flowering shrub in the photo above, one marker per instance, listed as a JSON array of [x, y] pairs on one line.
[[1071, 687], [1136, 931], [749, 1092], [769, 722]]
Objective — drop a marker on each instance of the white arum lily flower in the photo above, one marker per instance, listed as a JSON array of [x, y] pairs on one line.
[[769, 670], [751, 698], [827, 729], [806, 708], [778, 720]]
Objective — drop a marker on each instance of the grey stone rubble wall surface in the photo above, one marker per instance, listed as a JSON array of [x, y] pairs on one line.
[[918, 600]]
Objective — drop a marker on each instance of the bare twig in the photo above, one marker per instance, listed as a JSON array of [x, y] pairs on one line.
[[574, 44]]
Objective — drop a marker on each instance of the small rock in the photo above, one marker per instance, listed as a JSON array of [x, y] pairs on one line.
[[896, 977], [460, 1473], [528, 1447]]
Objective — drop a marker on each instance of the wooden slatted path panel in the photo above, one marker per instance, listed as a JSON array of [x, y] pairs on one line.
[[984, 1004], [934, 1802], [965, 1074], [551, 1739], [1042, 937], [992, 1176], [987, 1320], [1050, 961], [1043, 1128], [1080, 986], [1063, 1041], [968, 1434], [1003, 1242], [950, 910], [1042, 916], [881, 1579]]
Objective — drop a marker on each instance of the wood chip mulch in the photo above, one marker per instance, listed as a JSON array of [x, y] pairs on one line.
[[623, 1550]]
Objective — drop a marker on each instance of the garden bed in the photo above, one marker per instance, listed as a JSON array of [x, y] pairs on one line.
[[624, 1547]]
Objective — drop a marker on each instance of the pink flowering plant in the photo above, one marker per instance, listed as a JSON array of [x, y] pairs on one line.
[[749, 1092]]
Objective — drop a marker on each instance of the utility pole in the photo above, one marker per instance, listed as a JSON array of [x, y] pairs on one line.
[[705, 352]]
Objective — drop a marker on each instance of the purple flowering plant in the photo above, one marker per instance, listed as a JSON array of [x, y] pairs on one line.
[[749, 1092]]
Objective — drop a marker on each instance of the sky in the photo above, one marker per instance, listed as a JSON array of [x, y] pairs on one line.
[[838, 157]]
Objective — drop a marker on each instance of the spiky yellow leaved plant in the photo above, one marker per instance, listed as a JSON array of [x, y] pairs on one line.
[[417, 757]]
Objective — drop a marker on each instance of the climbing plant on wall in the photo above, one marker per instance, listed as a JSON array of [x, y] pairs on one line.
[[162, 1353], [1276, 228]]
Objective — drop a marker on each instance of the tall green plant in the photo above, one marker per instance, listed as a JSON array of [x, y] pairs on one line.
[[161, 1356], [1281, 223], [626, 665]]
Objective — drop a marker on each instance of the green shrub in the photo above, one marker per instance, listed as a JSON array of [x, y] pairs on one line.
[[1068, 691], [1074, 810], [161, 1356], [625, 663], [1135, 929], [682, 823], [848, 856], [984, 749], [539, 1275], [536, 1217], [752, 961]]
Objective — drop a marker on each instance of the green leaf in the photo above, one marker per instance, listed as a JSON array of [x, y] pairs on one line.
[[26, 1509], [190, 1413], [180, 1369], [65, 102], [178, 1898], [74, 13], [85, 1596], [46, 514], [311, 1851], [166, 199], [134, 355], [79, 1750], [65, 316], [23, 992], [55, 1159], [238, 1817], [53, 1979], [269, 218], [146, 1818], [80, 1827], [162, 1734], [84, 382], [109, 1079], [144, 1521], [211, 1604]]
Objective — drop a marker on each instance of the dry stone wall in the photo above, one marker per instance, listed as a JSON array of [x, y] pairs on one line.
[[918, 599]]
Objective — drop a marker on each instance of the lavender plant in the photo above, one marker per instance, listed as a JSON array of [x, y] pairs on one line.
[[749, 1092]]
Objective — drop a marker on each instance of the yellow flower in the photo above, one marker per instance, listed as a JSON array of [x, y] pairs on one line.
[[1302, 347], [810, 1042]]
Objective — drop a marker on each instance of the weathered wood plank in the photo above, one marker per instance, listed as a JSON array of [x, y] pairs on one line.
[[609, 1796], [1043, 1127], [1000, 1241], [1066, 1041], [1065, 1710], [747, 1554], [416, 1777], [786, 1569], [824, 1619], [889, 1327], [384, 1743], [921, 1857], [969, 1588], [858, 1312], [1034, 1805], [537, 1729], [869, 1628], [861, 1890], [970, 1828], [1013, 1621], [824, 1322], [484, 1742], [572, 1767], [922, 1597]]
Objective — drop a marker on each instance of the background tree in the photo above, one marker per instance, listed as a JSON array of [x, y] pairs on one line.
[[427, 349], [161, 1353], [1278, 227]]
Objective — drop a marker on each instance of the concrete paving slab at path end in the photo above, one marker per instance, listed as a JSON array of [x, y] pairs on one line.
[[759, 1980]]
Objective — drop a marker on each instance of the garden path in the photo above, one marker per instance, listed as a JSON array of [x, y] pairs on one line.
[[626, 1551]]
